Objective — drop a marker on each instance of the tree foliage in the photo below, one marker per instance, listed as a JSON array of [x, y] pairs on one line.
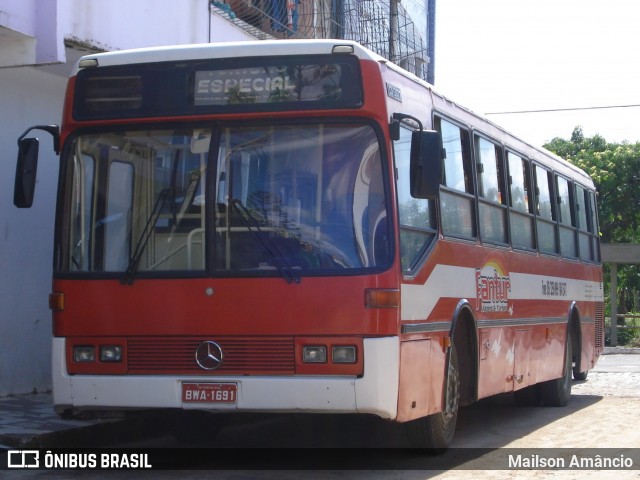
[[615, 170]]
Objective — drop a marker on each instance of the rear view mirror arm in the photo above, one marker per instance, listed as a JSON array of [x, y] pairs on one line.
[[54, 130]]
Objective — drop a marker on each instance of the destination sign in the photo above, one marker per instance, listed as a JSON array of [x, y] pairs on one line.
[[251, 85], [196, 87], [269, 84]]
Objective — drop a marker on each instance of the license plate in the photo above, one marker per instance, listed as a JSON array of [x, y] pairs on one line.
[[209, 392]]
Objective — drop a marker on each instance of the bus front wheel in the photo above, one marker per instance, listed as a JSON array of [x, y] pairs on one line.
[[435, 432]]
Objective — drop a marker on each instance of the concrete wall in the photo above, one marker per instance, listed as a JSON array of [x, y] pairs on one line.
[[29, 33], [32, 85], [118, 24], [26, 236]]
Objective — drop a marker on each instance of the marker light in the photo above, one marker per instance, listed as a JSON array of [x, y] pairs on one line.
[[110, 353], [314, 354], [342, 49], [343, 354], [88, 63], [84, 353]]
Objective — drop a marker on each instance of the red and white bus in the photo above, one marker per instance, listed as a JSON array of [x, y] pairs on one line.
[[302, 226]]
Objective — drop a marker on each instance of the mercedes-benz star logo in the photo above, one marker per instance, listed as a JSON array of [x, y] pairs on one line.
[[209, 355]]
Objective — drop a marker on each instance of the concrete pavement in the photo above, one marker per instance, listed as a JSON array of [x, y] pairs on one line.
[[30, 421]]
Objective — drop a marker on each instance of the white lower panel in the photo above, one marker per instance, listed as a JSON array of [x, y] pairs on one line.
[[376, 392]]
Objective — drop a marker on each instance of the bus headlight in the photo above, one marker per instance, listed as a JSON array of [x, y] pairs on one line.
[[110, 353], [96, 356], [343, 354], [84, 353], [314, 354]]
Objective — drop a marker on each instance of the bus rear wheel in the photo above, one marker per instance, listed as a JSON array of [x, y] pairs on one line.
[[557, 392], [578, 375], [435, 432]]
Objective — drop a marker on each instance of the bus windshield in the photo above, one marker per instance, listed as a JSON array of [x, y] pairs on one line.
[[280, 200]]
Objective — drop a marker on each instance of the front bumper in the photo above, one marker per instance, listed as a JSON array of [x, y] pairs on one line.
[[376, 392]]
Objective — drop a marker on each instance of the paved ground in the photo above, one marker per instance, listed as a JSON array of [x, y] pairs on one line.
[[24, 417]]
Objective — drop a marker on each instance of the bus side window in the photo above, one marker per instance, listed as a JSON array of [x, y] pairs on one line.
[[457, 200], [520, 215], [417, 216], [546, 217], [584, 233], [566, 217], [593, 226], [492, 210]]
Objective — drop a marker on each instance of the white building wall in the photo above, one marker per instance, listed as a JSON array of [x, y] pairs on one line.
[[32, 86], [118, 24], [26, 235]]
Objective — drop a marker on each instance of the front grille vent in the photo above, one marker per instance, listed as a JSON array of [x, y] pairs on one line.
[[242, 355]]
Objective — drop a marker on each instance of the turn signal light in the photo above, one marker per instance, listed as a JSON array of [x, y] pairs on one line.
[[56, 301], [382, 298], [445, 343]]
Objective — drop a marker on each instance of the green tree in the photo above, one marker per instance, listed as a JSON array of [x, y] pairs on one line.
[[615, 170]]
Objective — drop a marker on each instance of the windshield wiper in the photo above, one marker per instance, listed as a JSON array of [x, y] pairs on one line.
[[285, 270], [134, 261]]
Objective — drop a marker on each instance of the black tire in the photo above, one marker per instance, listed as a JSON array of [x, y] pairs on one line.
[[577, 375], [528, 396], [557, 392], [435, 432]]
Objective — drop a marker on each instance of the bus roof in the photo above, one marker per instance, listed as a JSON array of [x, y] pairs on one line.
[[263, 48], [226, 50]]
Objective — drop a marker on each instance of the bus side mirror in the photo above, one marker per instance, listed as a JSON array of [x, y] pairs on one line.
[[426, 164], [26, 168], [27, 165]]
